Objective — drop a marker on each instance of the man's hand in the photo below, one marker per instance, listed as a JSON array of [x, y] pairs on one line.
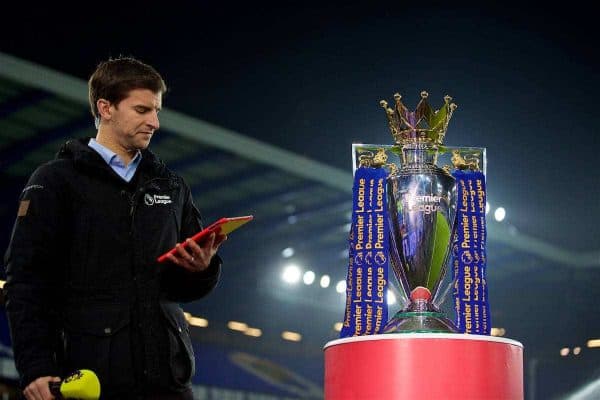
[[39, 389], [197, 257]]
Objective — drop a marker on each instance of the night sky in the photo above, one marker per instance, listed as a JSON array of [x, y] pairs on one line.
[[309, 79]]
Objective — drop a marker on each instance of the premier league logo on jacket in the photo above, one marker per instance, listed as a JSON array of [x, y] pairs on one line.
[[152, 199]]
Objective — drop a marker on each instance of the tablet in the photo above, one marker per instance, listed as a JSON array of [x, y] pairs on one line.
[[223, 226]]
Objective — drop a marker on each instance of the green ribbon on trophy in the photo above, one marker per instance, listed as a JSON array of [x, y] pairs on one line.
[[429, 210]]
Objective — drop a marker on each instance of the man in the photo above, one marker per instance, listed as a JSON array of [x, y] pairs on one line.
[[84, 289]]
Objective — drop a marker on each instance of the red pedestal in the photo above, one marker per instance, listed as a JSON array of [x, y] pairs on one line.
[[423, 366]]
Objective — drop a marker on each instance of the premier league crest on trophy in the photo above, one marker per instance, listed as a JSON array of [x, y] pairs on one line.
[[419, 208]]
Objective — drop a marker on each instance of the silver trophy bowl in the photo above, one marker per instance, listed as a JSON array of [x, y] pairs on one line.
[[421, 207]]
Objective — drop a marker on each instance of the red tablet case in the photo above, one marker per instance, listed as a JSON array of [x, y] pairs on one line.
[[223, 226]]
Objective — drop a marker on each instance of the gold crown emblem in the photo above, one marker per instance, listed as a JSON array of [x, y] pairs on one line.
[[420, 126]]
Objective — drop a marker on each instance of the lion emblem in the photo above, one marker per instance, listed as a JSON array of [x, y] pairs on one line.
[[376, 160], [466, 162]]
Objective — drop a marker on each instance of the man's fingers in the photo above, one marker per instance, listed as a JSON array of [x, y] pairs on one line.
[[196, 257], [173, 259], [218, 240], [45, 387], [210, 242], [30, 394], [39, 389], [182, 252]]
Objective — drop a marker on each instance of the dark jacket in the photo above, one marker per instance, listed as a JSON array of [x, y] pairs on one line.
[[83, 287]]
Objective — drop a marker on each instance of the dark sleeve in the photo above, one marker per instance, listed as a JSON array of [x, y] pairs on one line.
[[32, 279], [179, 284]]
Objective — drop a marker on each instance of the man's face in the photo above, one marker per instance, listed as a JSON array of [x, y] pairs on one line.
[[134, 120]]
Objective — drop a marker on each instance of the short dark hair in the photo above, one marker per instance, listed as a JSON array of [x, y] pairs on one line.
[[114, 78]]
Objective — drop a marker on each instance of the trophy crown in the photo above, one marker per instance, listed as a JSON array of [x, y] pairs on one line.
[[420, 126]]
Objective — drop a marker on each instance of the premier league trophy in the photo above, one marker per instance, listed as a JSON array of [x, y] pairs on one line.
[[418, 210], [416, 230]]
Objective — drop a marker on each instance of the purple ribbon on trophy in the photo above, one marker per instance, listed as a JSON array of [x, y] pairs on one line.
[[367, 278], [469, 255]]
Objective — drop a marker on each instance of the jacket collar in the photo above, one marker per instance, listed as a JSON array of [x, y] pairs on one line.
[[86, 157]]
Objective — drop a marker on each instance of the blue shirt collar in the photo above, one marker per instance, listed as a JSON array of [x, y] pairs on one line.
[[110, 156], [115, 162]]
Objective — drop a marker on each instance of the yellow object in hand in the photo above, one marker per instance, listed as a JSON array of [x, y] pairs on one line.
[[82, 384]]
